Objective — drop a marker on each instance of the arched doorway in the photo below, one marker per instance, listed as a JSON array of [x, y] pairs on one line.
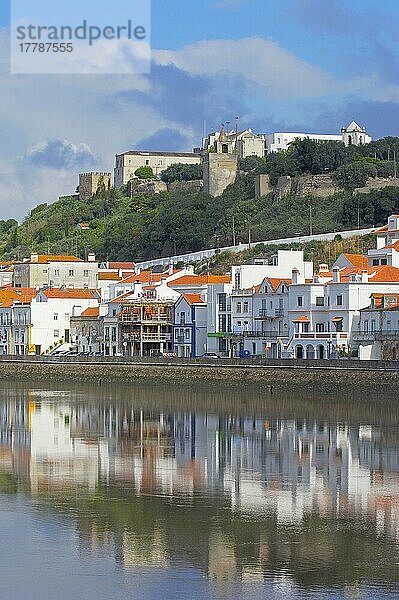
[[225, 149], [299, 351], [320, 352], [310, 353]]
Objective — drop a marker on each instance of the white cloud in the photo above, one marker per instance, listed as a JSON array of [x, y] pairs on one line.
[[278, 72]]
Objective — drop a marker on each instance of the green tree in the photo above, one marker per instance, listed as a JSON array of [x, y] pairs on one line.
[[182, 172], [355, 175], [144, 172]]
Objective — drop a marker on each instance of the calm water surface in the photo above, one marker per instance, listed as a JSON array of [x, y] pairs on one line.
[[120, 492]]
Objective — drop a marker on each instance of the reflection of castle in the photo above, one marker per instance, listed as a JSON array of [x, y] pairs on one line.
[[286, 468]]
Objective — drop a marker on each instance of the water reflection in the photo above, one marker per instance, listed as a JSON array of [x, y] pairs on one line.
[[258, 497]]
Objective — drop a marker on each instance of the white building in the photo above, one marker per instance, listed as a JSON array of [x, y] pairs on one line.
[[127, 163], [351, 135]]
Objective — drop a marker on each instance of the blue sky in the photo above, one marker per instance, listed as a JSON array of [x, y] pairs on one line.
[[294, 65]]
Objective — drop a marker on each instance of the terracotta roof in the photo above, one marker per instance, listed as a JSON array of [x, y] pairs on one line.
[[23, 295], [394, 245], [380, 274], [46, 258], [193, 298], [71, 293], [381, 230], [121, 265], [92, 311], [144, 277], [275, 282], [108, 276], [200, 280], [357, 260]]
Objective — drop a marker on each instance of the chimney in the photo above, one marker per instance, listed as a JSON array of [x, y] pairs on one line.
[[336, 275], [171, 268], [364, 277], [295, 276], [34, 258], [91, 257]]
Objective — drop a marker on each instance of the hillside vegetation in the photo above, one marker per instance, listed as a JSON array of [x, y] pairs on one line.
[[148, 226]]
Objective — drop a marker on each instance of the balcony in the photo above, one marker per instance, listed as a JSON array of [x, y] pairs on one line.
[[270, 313], [273, 335], [379, 335], [321, 335], [133, 318], [148, 337]]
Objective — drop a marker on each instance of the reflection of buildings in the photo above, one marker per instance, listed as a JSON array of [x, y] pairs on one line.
[[285, 468]]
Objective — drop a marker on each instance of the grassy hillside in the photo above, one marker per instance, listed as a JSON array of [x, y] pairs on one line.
[[149, 226]]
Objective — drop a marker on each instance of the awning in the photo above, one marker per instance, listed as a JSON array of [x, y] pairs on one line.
[[301, 320], [337, 319]]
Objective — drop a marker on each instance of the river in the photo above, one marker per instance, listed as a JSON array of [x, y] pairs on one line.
[[178, 492]]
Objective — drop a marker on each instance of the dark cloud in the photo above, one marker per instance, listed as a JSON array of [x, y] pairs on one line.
[[61, 154], [165, 139], [379, 118], [191, 99]]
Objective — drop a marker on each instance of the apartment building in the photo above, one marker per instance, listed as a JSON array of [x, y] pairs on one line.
[[56, 271]]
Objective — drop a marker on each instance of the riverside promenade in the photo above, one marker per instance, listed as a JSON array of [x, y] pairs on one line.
[[268, 374]]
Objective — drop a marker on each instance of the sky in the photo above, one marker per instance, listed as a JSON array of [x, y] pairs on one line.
[[280, 65]]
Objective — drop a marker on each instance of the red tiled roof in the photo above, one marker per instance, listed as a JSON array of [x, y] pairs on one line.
[[193, 298], [275, 282], [46, 258], [380, 274], [121, 265], [92, 311], [357, 260], [144, 277], [200, 280], [102, 276], [81, 294]]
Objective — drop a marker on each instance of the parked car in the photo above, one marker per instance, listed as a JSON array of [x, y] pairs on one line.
[[210, 355]]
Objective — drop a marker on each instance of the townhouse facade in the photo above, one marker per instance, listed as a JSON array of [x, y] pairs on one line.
[[56, 271], [189, 326]]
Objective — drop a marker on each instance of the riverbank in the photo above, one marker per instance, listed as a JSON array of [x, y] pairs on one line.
[[266, 374]]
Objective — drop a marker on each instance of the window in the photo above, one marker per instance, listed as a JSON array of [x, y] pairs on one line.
[[45, 270], [56, 272], [245, 307], [319, 327], [66, 316], [56, 333], [373, 325], [237, 280], [383, 261], [339, 300], [86, 273], [319, 300], [299, 301], [71, 273], [222, 323], [376, 262], [239, 307], [187, 334], [222, 302], [55, 316], [366, 326], [182, 318]]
